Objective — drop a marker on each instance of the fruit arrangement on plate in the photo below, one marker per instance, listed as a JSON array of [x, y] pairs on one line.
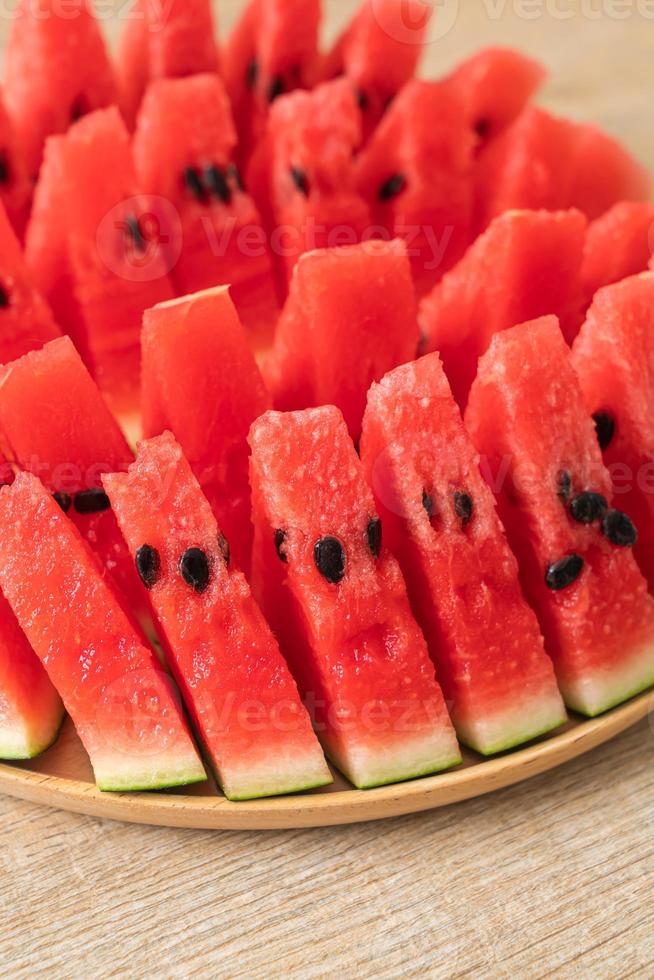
[[325, 401]]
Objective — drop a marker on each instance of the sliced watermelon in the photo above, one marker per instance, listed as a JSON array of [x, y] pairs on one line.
[[200, 380], [379, 51], [235, 682], [273, 49], [56, 70], [526, 264], [350, 317], [103, 263], [15, 186], [338, 604], [494, 85], [223, 240], [440, 521], [57, 425], [416, 174], [26, 321], [528, 419], [542, 161], [618, 244], [167, 40], [302, 174], [614, 358], [123, 705]]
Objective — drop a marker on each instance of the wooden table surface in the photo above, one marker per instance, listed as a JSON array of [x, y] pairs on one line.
[[550, 877]]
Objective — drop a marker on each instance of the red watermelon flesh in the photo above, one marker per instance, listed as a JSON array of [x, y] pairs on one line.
[[235, 682], [108, 261], [223, 240], [542, 161], [416, 174], [163, 40], [338, 604], [525, 265], [302, 174], [614, 358], [15, 186], [56, 70], [200, 380], [527, 417], [26, 321], [122, 704], [350, 317], [273, 49], [379, 52], [494, 85], [440, 521], [618, 244], [57, 425]]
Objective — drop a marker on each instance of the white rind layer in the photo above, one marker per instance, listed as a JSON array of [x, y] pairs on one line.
[[119, 773], [367, 767], [511, 725], [607, 687], [287, 773]]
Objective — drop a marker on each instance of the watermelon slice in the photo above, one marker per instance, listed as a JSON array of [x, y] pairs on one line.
[[379, 51], [273, 49], [26, 321], [618, 244], [416, 174], [166, 40], [350, 317], [223, 240], [105, 264], [528, 419], [440, 522], [123, 705], [302, 175], [338, 604], [542, 161], [614, 358], [495, 85], [525, 265], [57, 425], [235, 682], [195, 354], [56, 70], [15, 186]]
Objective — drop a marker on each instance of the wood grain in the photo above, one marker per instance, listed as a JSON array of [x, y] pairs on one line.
[[549, 878]]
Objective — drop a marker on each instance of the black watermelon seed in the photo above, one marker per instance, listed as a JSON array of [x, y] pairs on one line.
[[4, 298], [605, 428], [619, 529], [148, 565], [134, 231], [194, 568], [392, 187], [223, 545], [329, 557], [482, 128], [300, 180], [216, 182], [563, 486], [5, 169], [252, 73], [276, 88], [362, 99], [235, 175], [463, 507], [280, 538], [588, 507], [564, 572], [91, 501], [374, 535], [193, 182], [63, 499], [428, 503]]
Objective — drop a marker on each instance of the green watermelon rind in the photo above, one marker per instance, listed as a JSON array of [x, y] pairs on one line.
[[633, 676], [262, 792], [378, 775], [135, 785], [518, 727], [33, 749], [405, 777]]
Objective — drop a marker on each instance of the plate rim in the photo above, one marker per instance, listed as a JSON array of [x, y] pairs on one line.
[[333, 808]]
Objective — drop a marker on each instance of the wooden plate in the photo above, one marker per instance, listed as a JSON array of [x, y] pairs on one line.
[[62, 778]]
